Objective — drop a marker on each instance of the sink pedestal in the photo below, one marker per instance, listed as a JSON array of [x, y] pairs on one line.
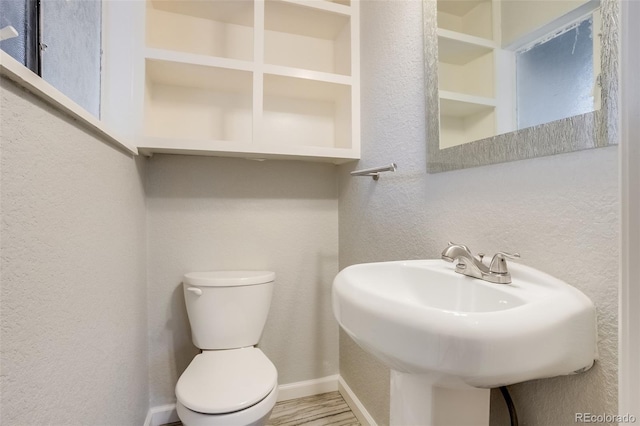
[[427, 400]]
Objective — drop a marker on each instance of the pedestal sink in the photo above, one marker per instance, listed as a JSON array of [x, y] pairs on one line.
[[449, 338]]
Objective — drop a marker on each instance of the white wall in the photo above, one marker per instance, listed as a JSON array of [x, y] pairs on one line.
[[73, 296], [560, 213], [77, 275], [209, 213]]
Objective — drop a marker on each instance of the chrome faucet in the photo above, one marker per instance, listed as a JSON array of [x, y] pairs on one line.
[[497, 271]]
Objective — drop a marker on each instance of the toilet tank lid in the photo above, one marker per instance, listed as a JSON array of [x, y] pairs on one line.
[[228, 278]]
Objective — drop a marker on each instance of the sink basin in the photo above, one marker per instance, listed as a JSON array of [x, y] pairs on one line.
[[420, 317]]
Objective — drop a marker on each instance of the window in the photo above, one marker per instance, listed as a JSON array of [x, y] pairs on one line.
[[60, 41], [555, 77], [19, 32]]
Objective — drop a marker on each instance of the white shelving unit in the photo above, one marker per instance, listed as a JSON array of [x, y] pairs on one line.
[[252, 78], [467, 47]]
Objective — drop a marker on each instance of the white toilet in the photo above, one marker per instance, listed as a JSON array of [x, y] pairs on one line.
[[231, 382]]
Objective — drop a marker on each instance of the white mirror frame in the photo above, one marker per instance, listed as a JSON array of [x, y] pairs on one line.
[[591, 130]]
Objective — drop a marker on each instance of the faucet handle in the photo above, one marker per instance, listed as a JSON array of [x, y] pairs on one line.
[[461, 245], [499, 263]]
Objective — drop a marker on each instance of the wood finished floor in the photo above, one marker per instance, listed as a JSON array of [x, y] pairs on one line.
[[327, 409]]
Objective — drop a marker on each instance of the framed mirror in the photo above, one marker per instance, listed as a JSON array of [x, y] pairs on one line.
[[509, 80]]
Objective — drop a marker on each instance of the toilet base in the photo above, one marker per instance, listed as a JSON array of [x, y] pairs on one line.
[[256, 415]]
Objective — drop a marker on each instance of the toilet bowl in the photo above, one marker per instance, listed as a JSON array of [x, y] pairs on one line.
[[232, 382]]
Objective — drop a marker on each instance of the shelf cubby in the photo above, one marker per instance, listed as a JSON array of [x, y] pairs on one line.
[[187, 101], [459, 48], [474, 77], [311, 35], [221, 28], [303, 112], [465, 118], [457, 130], [473, 17]]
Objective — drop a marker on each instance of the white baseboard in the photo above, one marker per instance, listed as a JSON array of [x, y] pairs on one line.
[[161, 415], [354, 403], [167, 413], [307, 388]]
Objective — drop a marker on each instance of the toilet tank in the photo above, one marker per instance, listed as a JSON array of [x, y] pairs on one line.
[[227, 309]]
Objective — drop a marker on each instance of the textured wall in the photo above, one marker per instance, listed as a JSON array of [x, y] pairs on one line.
[[73, 294], [560, 213], [209, 213]]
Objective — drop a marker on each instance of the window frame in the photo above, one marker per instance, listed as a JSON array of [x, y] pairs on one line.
[[28, 77], [33, 51]]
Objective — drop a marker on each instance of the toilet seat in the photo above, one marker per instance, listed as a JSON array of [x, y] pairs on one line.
[[225, 381], [256, 415]]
